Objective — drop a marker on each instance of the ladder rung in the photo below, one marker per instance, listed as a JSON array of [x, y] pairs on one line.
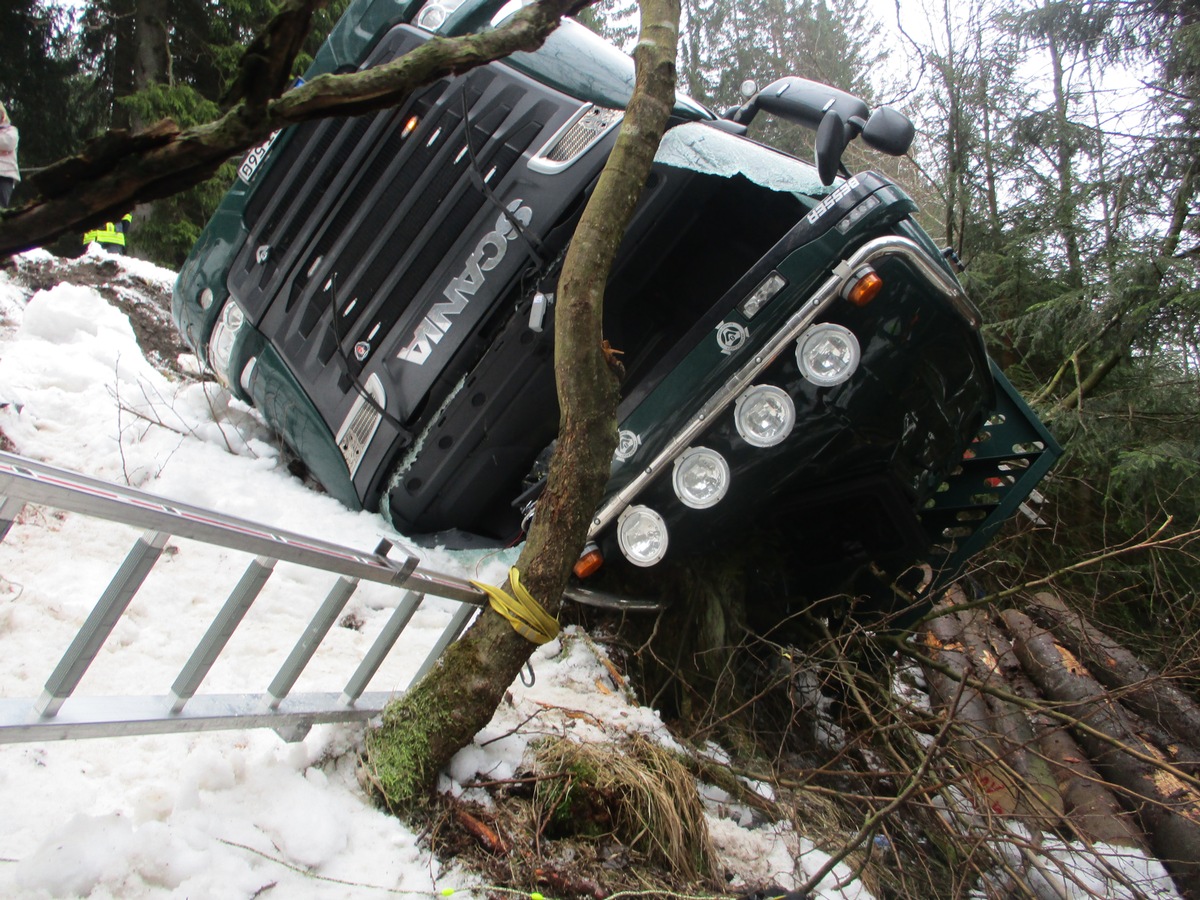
[[243, 594], [100, 623], [383, 645], [317, 628]]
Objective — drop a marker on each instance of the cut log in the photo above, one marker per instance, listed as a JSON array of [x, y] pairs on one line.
[[1090, 809], [1142, 688], [1039, 802], [997, 785], [1168, 807]]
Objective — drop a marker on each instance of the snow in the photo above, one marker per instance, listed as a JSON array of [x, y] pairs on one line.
[[240, 812]]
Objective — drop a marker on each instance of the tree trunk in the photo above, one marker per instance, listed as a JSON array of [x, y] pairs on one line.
[[1039, 798], [995, 787], [994, 736], [1168, 807], [152, 53], [124, 60], [423, 729], [1065, 205]]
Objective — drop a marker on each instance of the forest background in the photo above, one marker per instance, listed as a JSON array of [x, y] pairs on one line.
[[1057, 156]]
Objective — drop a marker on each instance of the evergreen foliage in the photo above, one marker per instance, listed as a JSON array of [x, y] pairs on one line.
[[43, 83], [1073, 199]]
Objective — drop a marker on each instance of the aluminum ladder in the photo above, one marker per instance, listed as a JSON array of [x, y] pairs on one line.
[[59, 714]]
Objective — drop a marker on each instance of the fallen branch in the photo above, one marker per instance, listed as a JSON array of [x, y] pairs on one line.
[[121, 169], [1151, 543]]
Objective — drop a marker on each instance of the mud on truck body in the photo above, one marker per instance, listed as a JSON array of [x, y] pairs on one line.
[[800, 358]]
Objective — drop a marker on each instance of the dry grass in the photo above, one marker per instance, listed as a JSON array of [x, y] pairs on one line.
[[637, 788]]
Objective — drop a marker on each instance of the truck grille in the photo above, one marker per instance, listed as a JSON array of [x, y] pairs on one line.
[[358, 224]]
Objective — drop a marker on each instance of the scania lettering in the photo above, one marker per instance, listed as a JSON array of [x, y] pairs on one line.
[[437, 322]]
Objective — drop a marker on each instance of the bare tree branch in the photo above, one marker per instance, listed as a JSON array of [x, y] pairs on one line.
[[121, 169]]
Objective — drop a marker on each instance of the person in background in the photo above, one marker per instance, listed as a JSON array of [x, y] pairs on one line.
[[112, 236], [9, 173]]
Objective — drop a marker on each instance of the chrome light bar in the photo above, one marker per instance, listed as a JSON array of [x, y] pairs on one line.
[[829, 291]]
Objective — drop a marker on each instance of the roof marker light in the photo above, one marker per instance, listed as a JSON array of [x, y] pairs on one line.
[[851, 218], [762, 295]]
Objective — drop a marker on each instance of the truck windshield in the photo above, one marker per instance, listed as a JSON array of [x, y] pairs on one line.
[[701, 148]]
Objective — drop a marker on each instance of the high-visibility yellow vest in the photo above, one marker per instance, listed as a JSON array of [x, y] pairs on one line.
[[111, 233]]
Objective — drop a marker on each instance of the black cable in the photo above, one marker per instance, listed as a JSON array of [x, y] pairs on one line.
[[530, 239]]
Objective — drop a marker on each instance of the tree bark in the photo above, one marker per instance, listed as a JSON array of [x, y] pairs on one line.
[[152, 61], [995, 737], [124, 60], [1168, 807], [423, 729], [1140, 686], [1090, 808], [1039, 798], [121, 169], [994, 785]]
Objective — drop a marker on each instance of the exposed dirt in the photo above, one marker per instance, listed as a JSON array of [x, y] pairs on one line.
[[146, 302]]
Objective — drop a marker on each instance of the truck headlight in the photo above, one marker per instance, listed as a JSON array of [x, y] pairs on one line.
[[827, 354], [764, 415], [701, 477], [220, 344], [642, 535], [433, 14]]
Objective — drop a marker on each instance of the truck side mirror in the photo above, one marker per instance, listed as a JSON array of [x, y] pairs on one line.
[[889, 131], [837, 117], [806, 102], [828, 146]]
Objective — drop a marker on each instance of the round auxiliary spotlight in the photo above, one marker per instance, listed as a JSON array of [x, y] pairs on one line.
[[701, 477], [827, 354], [764, 415], [431, 17], [642, 535]]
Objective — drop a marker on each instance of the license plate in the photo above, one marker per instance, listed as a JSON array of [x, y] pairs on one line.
[[250, 164]]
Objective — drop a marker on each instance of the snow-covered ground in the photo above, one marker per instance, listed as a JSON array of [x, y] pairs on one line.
[[242, 813], [234, 813]]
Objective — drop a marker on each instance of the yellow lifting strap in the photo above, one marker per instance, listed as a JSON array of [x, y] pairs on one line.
[[525, 614]]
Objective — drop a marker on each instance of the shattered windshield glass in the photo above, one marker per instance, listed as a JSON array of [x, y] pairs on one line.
[[704, 149]]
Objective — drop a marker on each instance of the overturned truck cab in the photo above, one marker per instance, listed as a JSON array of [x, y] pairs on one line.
[[799, 356]]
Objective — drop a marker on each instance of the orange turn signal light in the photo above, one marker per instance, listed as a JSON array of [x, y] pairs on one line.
[[410, 126], [865, 289], [589, 562]]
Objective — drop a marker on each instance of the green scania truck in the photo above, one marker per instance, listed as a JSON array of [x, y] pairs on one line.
[[801, 360]]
